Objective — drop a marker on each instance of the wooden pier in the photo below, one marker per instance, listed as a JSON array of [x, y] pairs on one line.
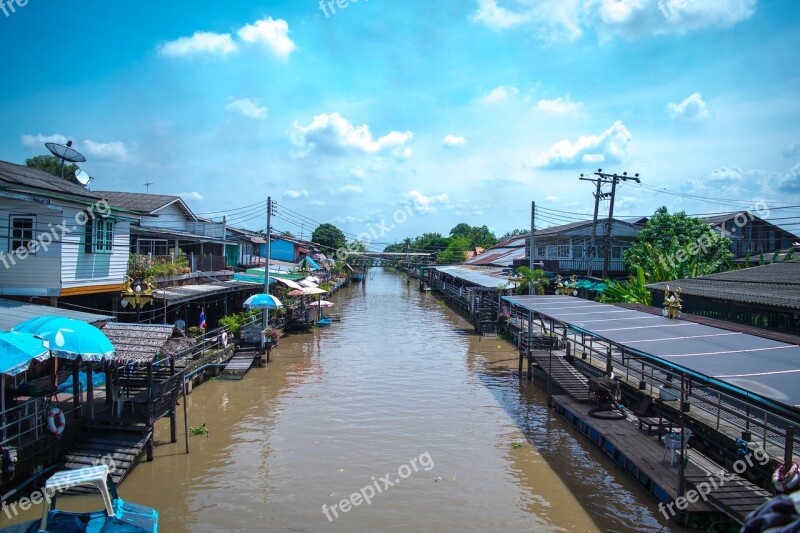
[[117, 449], [566, 376], [239, 364], [643, 458]]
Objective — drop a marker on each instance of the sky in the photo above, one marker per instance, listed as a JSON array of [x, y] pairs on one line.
[[393, 118]]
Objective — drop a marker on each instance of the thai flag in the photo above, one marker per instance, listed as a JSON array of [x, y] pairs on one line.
[[202, 318]]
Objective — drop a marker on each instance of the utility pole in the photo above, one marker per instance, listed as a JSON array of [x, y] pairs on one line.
[[613, 179], [597, 196], [266, 265], [531, 288]]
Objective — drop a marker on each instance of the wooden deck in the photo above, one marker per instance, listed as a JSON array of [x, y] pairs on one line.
[[642, 457], [239, 364]]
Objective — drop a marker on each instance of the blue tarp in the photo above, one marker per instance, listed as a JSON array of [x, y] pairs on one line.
[[310, 262], [98, 380]]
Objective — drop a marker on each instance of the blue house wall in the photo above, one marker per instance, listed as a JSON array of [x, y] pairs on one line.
[[280, 250]]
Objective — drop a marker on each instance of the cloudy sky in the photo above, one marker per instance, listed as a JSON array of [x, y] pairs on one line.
[[469, 109]]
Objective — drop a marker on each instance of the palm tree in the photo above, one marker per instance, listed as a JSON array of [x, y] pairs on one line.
[[537, 278]]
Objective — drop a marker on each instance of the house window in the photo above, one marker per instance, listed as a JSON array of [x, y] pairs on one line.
[[23, 231], [577, 252], [99, 236]]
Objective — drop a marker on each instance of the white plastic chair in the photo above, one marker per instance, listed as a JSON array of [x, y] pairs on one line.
[[675, 444], [118, 400]]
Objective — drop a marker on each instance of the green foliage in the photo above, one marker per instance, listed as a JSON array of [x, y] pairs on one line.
[[517, 445], [157, 266], [455, 251], [677, 246], [195, 431], [514, 233], [236, 321], [632, 291], [194, 331], [330, 237], [476, 236], [52, 164], [537, 278]]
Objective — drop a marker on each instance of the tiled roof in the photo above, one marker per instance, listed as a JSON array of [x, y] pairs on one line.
[[775, 285], [136, 201], [39, 179]]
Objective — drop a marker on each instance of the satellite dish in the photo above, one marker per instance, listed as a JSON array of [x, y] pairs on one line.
[[83, 177], [65, 153]]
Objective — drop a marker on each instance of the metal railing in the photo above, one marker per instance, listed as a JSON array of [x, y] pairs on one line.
[[27, 422]]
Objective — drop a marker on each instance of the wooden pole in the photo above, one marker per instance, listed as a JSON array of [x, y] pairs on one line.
[[185, 414], [788, 449]]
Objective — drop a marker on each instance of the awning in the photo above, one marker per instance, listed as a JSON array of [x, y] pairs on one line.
[[13, 312], [187, 293], [310, 262]]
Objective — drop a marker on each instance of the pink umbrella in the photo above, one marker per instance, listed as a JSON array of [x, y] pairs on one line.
[[322, 303]]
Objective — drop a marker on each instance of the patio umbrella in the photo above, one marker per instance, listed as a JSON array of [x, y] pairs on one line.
[[307, 291], [17, 350], [307, 283], [69, 338], [263, 301], [322, 303]]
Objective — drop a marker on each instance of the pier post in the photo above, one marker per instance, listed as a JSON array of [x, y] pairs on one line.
[[76, 388], [788, 449]]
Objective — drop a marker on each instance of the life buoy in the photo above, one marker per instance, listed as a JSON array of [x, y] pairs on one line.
[[786, 480], [56, 421], [224, 339]]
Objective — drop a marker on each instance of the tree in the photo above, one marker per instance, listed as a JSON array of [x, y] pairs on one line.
[[52, 164], [461, 230], [677, 246], [537, 278], [633, 291], [455, 251], [481, 236], [329, 237], [514, 233]]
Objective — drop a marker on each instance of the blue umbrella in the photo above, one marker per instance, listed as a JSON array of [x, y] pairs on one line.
[[17, 350], [263, 301], [69, 338]]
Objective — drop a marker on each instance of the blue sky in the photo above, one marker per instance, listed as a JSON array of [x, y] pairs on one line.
[[470, 108]]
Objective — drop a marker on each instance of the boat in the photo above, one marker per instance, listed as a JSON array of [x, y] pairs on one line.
[[357, 277], [117, 515], [322, 322]]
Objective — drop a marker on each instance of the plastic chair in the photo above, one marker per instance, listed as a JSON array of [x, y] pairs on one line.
[[675, 444], [118, 400]]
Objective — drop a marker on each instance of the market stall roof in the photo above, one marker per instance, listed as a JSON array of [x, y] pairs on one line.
[[488, 278], [760, 367], [13, 312], [187, 293]]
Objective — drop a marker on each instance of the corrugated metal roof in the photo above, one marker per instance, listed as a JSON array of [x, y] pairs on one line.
[[482, 277], [503, 253], [13, 312], [187, 293], [773, 285]]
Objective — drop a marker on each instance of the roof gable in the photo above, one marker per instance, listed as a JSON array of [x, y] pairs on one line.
[[32, 178]]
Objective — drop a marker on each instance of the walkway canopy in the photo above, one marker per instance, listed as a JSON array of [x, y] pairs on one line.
[[758, 367]]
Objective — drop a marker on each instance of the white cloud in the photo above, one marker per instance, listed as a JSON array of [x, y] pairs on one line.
[[558, 105], [463, 207], [588, 149], [343, 220], [333, 135], [453, 141], [496, 17], [317, 203], [38, 140], [552, 198], [270, 33], [791, 150], [499, 94], [193, 195], [112, 150], [690, 108], [628, 19], [293, 195], [248, 108], [349, 189], [789, 181], [358, 172], [426, 204], [201, 43]]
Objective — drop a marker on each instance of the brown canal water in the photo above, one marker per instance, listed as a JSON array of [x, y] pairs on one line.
[[401, 387]]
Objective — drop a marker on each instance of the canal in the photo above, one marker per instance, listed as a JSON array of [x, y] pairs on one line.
[[401, 387]]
